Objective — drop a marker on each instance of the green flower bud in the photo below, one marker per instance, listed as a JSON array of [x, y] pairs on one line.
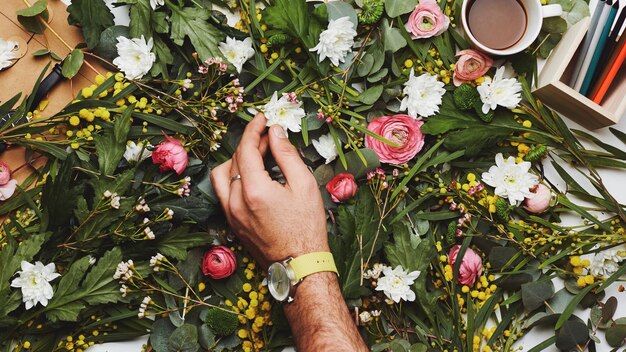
[[371, 11]]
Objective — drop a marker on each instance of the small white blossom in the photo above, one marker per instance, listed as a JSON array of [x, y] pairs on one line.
[[34, 281], [156, 260], [374, 272], [365, 317], [284, 112], [144, 306], [375, 313], [124, 290], [605, 263], [149, 234], [325, 146], [396, 284], [107, 194], [115, 201], [124, 271], [135, 56], [92, 260], [136, 152], [155, 3], [511, 180], [6, 53], [336, 41], [237, 52], [501, 91], [422, 95]]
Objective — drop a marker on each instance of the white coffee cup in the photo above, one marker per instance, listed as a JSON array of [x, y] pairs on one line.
[[535, 13]]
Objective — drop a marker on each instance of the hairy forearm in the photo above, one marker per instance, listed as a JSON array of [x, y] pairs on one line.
[[319, 317]]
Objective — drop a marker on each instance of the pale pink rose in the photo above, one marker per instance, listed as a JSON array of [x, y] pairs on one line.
[[427, 20], [539, 202], [342, 187], [7, 189], [5, 173], [471, 266], [470, 66], [171, 155], [403, 130], [219, 262]]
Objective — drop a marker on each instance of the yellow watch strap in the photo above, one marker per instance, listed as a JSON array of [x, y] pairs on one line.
[[311, 263]]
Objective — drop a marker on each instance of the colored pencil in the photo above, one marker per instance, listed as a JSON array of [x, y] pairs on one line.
[[593, 24], [616, 63], [588, 55], [611, 43], [597, 52]]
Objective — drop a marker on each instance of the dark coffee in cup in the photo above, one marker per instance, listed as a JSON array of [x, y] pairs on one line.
[[497, 24]]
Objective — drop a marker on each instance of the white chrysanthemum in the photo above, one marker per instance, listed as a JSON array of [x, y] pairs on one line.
[[336, 41], [325, 146], [605, 263], [6, 53], [396, 284], [34, 280], [501, 91], [155, 3], [135, 56], [237, 52], [511, 180], [284, 112], [136, 152], [422, 95]]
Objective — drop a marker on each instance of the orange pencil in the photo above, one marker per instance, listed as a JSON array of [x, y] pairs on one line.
[[607, 77]]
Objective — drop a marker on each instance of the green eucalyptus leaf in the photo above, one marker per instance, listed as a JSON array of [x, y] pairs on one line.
[[371, 95], [396, 8], [72, 64], [615, 335], [573, 333], [184, 339], [339, 9], [107, 45], [392, 38]]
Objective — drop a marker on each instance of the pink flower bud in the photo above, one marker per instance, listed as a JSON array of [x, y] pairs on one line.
[[427, 20], [470, 66], [5, 173], [171, 155], [539, 202], [403, 130], [471, 266], [342, 187], [219, 262]]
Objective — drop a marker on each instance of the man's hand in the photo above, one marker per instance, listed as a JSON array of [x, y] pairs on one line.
[[273, 221]]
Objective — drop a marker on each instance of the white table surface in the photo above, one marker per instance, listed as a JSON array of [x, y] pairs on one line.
[[614, 181]]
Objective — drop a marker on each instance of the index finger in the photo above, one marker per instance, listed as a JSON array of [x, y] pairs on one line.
[[249, 153]]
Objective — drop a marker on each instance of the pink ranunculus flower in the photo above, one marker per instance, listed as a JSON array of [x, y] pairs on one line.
[[7, 189], [540, 200], [471, 65], [427, 20], [5, 173], [342, 187], [471, 267], [171, 155], [219, 262], [403, 130]]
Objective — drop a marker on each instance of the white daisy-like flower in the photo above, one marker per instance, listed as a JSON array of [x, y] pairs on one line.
[[135, 56], [156, 3], [325, 146], [237, 52], [422, 95], [605, 263], [396, 283], [34, 280], [501, 91], [136, 152], [511, 180], [6, 53], [285, 112], [336, 41]]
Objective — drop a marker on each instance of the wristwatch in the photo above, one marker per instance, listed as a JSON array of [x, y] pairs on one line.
[[283, 276]]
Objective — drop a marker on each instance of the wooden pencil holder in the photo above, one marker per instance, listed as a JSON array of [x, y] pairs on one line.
[[552, 88]]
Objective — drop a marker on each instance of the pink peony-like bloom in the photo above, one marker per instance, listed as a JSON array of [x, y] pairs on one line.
[[471, 267], [5, 173], [403, 130], [471, 65], [7, 189], [171, 155], [539, 201], [219, 262], [342, 187], [427, 20]]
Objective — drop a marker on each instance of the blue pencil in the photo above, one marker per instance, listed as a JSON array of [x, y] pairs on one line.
[[593, 24]]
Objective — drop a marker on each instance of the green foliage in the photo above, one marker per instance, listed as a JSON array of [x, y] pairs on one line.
[[396, 8], [192, 22], [222, 321], [30, 16], [184, 339], [110, 150], [93, 17]]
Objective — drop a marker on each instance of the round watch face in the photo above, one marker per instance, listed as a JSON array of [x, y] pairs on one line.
[[278, 281]]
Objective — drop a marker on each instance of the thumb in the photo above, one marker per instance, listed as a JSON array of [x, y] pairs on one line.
[[287, 156]]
